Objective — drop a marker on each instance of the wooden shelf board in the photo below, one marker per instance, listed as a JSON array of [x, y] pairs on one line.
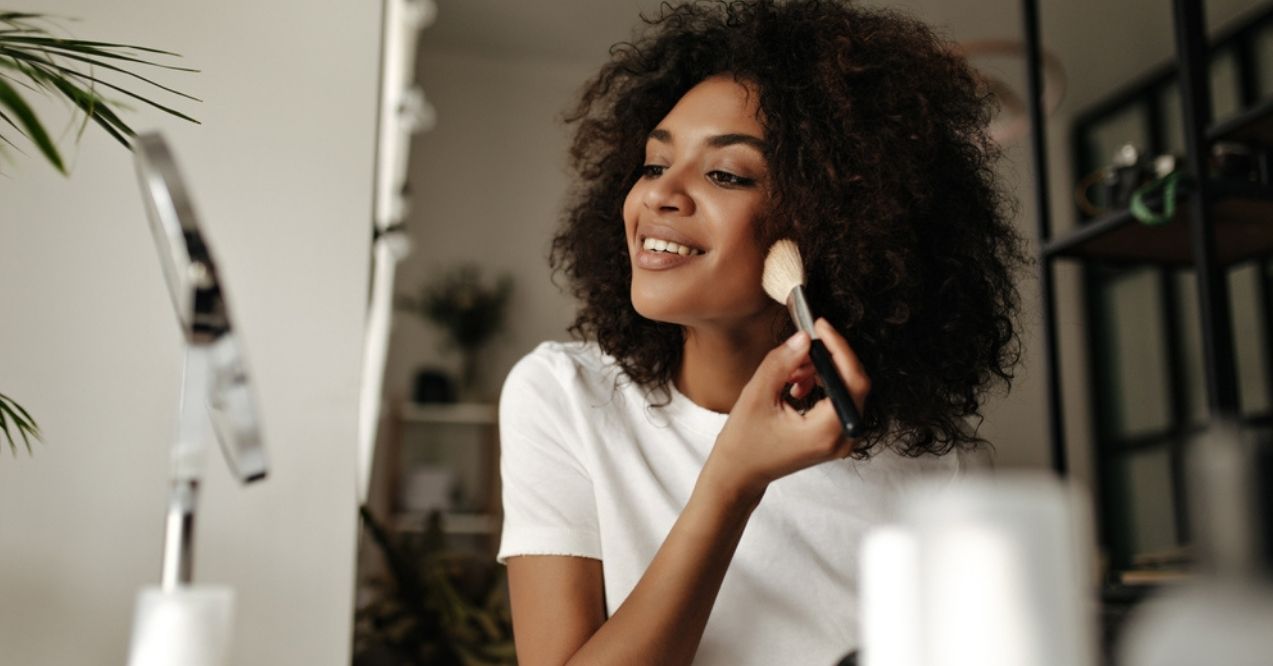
[[1156, 576], [452, 523], [1242, 217], [459, 413]]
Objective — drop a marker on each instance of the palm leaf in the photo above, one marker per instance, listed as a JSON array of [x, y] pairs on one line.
[[34, 59], [35, 75], [94, 106], [29, 124], [44, 72], [71, 70], [18, 17], [96, 63], [22, 422], [31, 36]]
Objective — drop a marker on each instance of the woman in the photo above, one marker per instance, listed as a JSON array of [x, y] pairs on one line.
[[674, 489]]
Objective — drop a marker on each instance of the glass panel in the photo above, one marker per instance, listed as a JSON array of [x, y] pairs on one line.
[[1151, 509], [1172, 121], [1136, 373], [1125, 127], [1250, 349], [1226, 98], [1264, 62], [1189, 328]]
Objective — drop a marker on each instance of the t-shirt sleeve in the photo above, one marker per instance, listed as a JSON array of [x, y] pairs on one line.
[[549, 505]]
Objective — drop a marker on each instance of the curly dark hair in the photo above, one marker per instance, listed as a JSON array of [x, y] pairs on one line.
[[881, 171]]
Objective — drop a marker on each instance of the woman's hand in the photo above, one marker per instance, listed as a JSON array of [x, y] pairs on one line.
[[766, 439]]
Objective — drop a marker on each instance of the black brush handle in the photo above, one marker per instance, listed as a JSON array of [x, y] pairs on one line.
[[835, 389]]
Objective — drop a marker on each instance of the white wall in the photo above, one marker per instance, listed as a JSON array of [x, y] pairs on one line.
[[280, 171], [487, 185], [489, 181]]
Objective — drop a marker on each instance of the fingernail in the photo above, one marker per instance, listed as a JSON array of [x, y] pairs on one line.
[[797, 341]]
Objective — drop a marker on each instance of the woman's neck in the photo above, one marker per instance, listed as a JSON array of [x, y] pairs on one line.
[[718, 362]]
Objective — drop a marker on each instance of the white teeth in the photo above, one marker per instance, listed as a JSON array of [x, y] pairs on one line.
[[660, 245]]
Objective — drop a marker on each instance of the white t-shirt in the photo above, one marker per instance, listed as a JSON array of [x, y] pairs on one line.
[[591, 469]]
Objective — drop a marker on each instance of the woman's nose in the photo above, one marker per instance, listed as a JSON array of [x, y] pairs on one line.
[[667, 194]]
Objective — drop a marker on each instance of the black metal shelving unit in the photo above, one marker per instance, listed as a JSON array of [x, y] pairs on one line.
[[1217, 225]]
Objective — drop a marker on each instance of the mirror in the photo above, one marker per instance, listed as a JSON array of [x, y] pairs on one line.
[[180, 621], [200, 304], [484, 188]]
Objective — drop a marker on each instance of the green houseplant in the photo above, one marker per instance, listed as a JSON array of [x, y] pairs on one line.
[[97, 81], [437, 606], [12, 413], [467, 308]]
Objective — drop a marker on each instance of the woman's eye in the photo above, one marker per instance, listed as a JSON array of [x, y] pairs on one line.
[[730, 179], [652, 170]]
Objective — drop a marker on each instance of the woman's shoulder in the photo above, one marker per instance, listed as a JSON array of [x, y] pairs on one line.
[[564, 365], [561, 383]]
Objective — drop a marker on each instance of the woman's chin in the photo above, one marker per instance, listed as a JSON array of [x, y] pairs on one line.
[[657, 308], [653, 314]]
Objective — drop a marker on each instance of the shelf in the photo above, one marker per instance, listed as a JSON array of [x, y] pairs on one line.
[[1242, 217], [460, 413], [1133, 577], [452, 523], [1114, 446]]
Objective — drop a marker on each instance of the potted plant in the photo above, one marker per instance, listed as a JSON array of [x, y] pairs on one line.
[[467, 309], [435, 607], [95, 78]]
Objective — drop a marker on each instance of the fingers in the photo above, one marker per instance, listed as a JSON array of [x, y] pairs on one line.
[[802, 380], [846, 361], [780, 363]]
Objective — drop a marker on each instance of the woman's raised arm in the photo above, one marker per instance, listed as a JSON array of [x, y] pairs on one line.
[[559, 602]]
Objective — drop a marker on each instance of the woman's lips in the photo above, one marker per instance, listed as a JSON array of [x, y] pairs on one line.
[[652, 243], [654, 260], [660, 254]]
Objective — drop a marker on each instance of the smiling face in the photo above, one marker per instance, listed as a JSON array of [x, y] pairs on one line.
[[690, 218]]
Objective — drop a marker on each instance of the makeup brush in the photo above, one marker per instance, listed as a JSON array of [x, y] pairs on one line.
[[783, 280]]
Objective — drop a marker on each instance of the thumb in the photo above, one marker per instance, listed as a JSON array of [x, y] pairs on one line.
[[780, 362]]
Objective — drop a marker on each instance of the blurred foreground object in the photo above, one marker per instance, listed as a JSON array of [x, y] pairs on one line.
[[985, 571], [1225, 617]]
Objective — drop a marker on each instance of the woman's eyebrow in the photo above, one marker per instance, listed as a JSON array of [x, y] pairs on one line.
[[717, 141], [722, 140]]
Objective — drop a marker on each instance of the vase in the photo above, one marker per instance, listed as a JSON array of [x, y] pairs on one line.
[[470, 375]]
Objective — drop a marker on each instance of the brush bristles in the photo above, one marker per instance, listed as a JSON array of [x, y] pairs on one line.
[[783, 270]]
